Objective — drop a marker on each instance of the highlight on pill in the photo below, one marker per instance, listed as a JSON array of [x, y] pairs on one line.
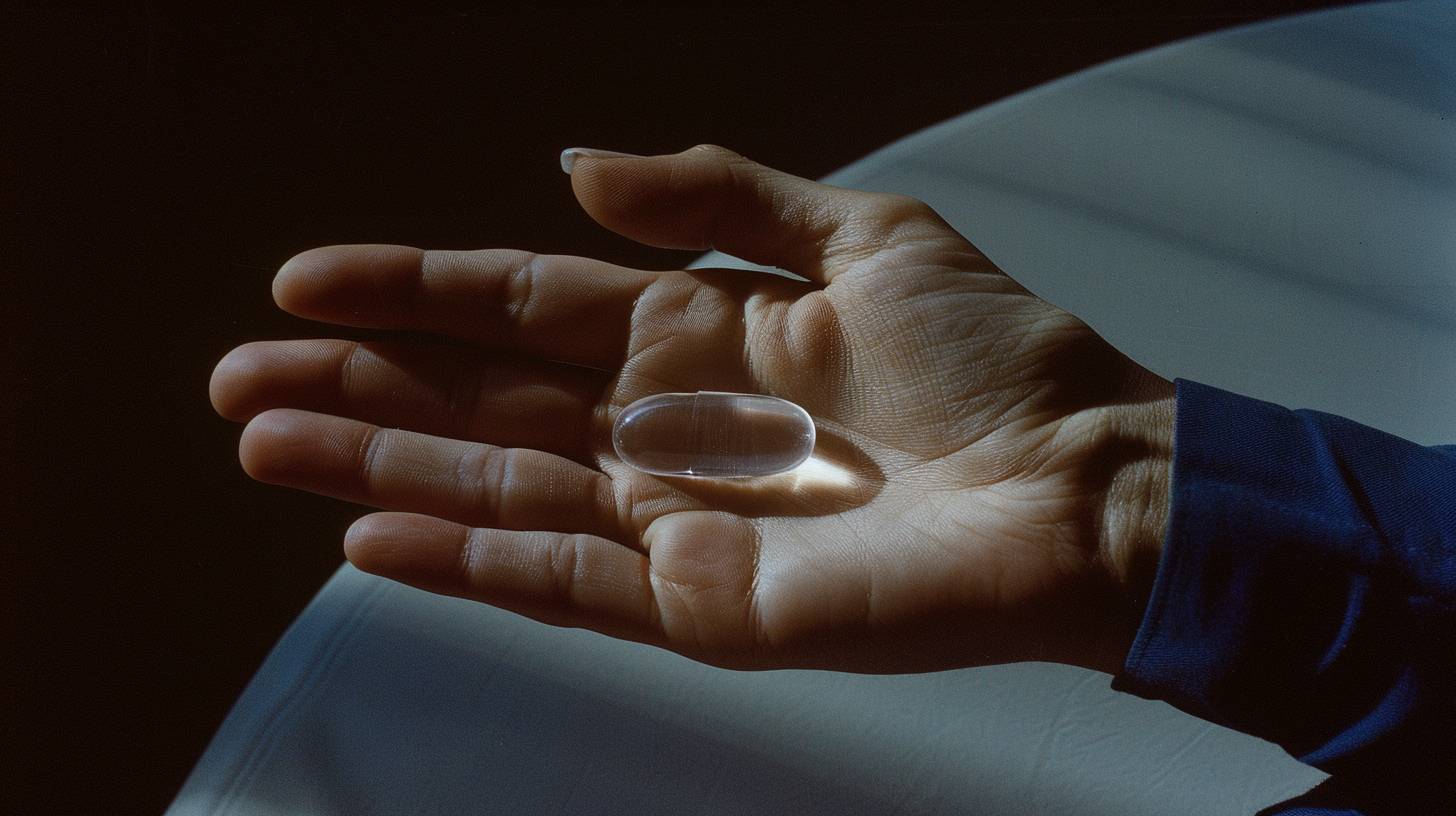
[[713, 434]]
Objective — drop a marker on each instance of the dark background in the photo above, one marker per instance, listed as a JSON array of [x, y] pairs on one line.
[[160, 164]]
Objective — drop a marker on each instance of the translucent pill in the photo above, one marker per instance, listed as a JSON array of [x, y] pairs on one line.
[[714, 434]]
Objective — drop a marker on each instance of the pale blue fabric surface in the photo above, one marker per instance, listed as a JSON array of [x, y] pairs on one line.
[[1270, 210]]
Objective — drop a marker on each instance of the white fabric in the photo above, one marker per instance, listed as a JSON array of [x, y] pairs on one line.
[[1270, 210]]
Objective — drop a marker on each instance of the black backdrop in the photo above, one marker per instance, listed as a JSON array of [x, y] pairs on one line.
[[159, 165]]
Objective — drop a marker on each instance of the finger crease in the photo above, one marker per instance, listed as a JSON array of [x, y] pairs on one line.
[[347, 373], [495, 494], [562, 561], [417, 290], [654, 609], [632, 320], [368, 450], [522, 287], [469, 549], [755, 614], [606, 497]]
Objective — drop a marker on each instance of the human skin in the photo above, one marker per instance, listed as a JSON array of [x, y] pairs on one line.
[[990, 486]]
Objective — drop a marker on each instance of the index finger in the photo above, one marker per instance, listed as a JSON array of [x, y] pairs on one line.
[[556, 307]]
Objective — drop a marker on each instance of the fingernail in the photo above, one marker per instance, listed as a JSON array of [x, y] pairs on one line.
[[571, 154]]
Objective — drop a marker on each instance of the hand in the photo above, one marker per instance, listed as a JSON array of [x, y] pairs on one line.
[[989, 485]]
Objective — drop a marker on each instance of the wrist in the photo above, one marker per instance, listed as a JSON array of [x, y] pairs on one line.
[[1134, 449], [1135, 507]]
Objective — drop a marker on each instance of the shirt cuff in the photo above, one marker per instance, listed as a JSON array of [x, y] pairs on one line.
[[1306, 588]]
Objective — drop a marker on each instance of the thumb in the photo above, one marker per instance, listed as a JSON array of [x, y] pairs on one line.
[[709, 197]]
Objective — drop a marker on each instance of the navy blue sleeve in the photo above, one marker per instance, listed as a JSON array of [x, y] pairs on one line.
[[1306, 594]]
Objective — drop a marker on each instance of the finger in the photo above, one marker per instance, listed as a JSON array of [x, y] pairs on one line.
[[438, 390], [709, 197], [556, 307], [467, 482], [571, 580]]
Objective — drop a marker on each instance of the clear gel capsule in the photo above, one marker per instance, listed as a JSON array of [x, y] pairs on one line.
[[713, 434]]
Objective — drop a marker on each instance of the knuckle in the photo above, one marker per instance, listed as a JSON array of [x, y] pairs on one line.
[[888, 219], [895, 209], [716, 152], [726, 168]]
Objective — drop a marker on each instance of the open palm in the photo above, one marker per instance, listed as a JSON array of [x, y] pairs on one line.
[[976, 490]]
